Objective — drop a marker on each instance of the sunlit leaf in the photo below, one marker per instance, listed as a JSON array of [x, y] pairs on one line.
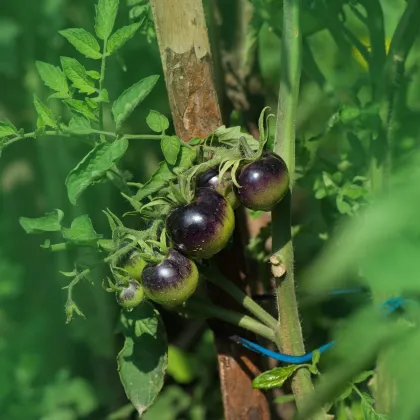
[[78, 75], [130, 98], [45, 115], [93, 167], [274, 378], [54, 78], [83, 41], [106, 12], [157, 122], [171, 146], [81, 231], [121, 36], [51, 222]]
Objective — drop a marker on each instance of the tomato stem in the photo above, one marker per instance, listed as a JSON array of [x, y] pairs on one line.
[[101, 82], [209, 310], [289, 331], [214, 275]]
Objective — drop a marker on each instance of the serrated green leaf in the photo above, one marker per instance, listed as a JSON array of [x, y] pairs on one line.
[[130, 98], [83, 41], [165, 173], [363, 376], [93, 74], [93, 167], [106, 12], [157, 121], [346, 393], [120, 37], [102, 97], [51, 222], [54, 78], [45, 115], [143, 360], [79, 124], [78, 75], [274, 378], [171, 146], [7, 129], [81, 231], [81, 107]]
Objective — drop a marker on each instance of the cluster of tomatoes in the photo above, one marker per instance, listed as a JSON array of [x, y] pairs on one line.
[[201, 229]]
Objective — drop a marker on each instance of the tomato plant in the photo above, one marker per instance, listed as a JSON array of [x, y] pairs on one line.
[[325, 183]]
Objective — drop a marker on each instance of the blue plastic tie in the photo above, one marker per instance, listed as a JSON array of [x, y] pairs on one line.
[[390, 305]]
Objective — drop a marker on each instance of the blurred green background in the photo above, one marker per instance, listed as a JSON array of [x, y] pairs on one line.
[[49, 370]]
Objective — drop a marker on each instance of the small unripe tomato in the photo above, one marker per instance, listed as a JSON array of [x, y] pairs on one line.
[[171, 282], [203, 227], [210, 179], [263, 182], [132, 263], [131, 295]]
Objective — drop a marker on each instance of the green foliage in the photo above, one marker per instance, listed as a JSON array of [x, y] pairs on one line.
[[171, 146], [157, 122], [143, 360], [94, 166], [81, 231], [121, 36], [54, 78], [345, 231], [45, 115], [83, 41], [78, 75], [49, 223], [276, 377], [106, 13], [125, 104]]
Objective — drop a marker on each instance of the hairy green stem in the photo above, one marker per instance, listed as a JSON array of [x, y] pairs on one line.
[[214, 275], [101, 83], [63, 134], [208, 310], [289, 332]]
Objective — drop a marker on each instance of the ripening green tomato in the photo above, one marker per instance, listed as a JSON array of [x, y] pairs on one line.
[[263, 182], [171, 282], [203, 227], [131, 296], [132, 263]]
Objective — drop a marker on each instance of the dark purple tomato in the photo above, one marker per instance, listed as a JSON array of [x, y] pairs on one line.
[[171, 282], [203, 227], [210, 179], [132, 262], [263, 182], [131, 295]]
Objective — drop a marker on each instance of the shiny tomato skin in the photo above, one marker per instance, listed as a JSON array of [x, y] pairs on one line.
[[171, 282], [203, 227], [263, 182]]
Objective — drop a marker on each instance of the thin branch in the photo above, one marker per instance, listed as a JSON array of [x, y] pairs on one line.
[[208, 310], [217, 278]]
